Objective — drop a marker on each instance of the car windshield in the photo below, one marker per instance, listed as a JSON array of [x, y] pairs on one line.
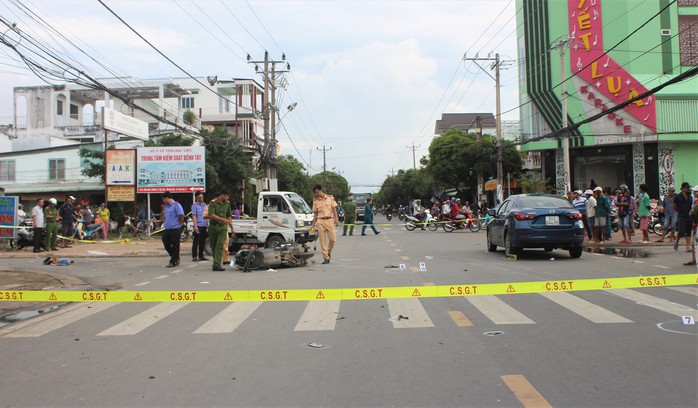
[[543, 202], [298, 203]]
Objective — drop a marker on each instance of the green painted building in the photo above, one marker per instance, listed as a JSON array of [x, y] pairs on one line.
[[613, 51]]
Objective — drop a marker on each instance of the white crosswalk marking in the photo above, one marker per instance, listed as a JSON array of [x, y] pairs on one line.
[[412, 311], [229, 318], [319, 315], [143, 320], [588, 310], [49, 322], [656, 303], [691, 290], [499, 312]]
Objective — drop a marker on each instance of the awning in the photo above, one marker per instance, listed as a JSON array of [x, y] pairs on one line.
[[64, 188]]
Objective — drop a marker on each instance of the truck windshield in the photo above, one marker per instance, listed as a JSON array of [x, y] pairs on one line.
[[299, 205]]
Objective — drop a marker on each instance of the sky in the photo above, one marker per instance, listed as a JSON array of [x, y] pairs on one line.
[[370, 77]]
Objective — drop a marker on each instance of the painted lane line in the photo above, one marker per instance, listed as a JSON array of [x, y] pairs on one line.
[[405, 258], [142, 284], [429, 284], [162, 277], [498, 311], [412, 309], [656, 303], [414, 269], [49, 322], [143, 320], [177, 271], [319, 315], [525, 392], [192, 266], [229, 318], [460, 319], [588, 310], [398, 250], [660, 266]]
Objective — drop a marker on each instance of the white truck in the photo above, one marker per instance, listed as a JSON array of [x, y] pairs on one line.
[[282, 216]]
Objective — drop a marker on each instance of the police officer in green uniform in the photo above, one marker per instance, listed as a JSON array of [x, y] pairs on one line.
[[219, 216], [349, 216], [51, 217]]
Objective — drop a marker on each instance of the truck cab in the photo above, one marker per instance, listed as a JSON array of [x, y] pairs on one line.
[[281, 216]]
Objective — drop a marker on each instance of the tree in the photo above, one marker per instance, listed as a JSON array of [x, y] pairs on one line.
[[92, 161], [170, 139], [292, 177], [189, 117], [332, 183], [226, 165], [534, 183], [406, 186]]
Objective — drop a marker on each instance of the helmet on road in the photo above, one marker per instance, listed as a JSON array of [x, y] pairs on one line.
[[52, 201]]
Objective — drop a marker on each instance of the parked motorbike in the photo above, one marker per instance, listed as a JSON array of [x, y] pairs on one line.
[[288, 254], [412, 222], [340, 214], [187, 229], [85, 231], [25, 237]]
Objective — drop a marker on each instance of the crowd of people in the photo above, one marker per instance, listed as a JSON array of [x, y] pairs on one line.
[[604, 208], [70, 221]]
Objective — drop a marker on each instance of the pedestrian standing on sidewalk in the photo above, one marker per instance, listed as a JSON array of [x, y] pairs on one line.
[[667, 207], [39, 224], [103, 215], [220, 217], [603, 208], [200, 228], [349, 216], [591, 213], [174, 217], [368, 218], [682, 204], [326, 218], [66, 214], [643, 210], [624, 217], [51, 219], [580, 204]]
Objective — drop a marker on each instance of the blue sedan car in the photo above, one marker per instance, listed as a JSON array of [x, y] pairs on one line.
[[535, 221]]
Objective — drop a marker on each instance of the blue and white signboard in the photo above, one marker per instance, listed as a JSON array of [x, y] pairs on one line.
[[8, 216]]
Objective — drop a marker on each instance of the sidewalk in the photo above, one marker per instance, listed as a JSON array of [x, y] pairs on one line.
[[151, 247]]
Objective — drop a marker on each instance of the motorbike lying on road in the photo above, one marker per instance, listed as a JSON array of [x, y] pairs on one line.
[[25, 237], [412, 222], [288, 254]]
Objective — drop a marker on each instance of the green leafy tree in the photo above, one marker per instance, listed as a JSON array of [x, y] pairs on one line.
[[535, 183], [92, 161], [332, 183], [292, 177], [226, 164], [406, 186], [170, 139], [189, 117]]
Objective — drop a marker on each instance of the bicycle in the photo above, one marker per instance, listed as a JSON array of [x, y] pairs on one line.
[[142, 230]]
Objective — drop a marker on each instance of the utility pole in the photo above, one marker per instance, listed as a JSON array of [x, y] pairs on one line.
[[414, 159], [480, 176], [561, 45], [324, 151], [269, 108], [496, 65]]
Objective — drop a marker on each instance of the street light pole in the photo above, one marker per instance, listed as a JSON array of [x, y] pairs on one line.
[[561, 45]]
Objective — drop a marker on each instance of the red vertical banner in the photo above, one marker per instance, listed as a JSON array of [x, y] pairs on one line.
[[604, 75]]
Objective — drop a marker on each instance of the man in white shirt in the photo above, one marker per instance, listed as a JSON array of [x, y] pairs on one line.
[[39, 224]]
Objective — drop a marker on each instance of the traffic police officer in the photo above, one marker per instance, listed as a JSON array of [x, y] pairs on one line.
[[51, 218], [326, 218], [219, 216]]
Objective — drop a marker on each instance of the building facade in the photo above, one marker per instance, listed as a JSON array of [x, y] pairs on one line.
[[39, 155], [617, 50]]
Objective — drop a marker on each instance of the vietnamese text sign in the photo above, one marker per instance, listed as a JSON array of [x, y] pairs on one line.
[[121, 193], [125, 125], [176, 169], [121, 167], [8, 216]]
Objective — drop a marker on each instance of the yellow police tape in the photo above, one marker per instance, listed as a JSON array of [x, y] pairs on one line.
[[277, 295]]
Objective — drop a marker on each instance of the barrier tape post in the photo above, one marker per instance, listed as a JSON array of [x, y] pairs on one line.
[[399, 292]]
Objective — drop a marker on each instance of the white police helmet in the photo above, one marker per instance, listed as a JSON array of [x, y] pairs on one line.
[[53, 201]]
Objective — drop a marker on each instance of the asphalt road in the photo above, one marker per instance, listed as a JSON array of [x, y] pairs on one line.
[[622, 348]]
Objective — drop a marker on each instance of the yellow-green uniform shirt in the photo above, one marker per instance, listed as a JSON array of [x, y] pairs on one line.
[[50, 212], [220, 209]]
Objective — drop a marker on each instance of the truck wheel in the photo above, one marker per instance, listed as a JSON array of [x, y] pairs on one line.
[[207, 247], [274, 240]]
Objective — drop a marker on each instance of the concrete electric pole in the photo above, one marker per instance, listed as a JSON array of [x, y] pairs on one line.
[[414, 159], [496, 65], [561, 45], [269, 108]]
